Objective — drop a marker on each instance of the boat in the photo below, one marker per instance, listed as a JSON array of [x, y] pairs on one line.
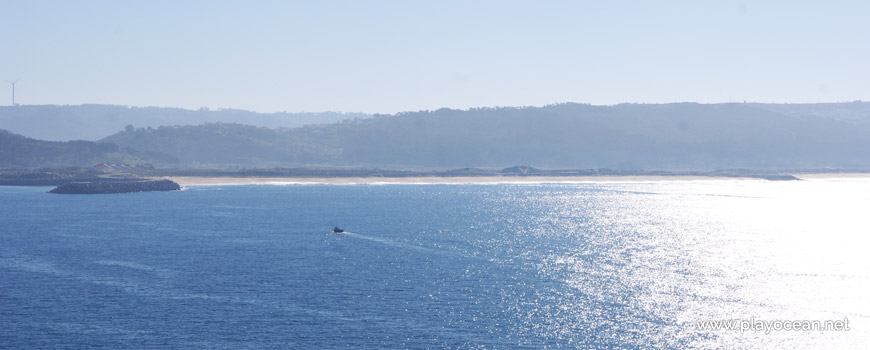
[[337, 230]]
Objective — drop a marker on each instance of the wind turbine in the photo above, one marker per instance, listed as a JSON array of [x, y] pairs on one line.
[[13, 90]]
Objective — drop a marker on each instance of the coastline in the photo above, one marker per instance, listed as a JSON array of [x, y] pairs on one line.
[[213, 181], [819, 176], [205, 181], [52, 179]]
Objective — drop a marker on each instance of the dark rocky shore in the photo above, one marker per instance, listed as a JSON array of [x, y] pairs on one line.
[[98, 187]]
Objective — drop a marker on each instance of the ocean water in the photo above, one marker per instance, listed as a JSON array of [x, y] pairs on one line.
[[587, 265]]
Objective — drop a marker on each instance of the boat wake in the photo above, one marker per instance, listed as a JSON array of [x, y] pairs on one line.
[[397, 244]]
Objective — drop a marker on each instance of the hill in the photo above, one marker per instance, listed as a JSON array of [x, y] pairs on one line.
[[17, 151], [628, 136], [222, 145], [93, 122]]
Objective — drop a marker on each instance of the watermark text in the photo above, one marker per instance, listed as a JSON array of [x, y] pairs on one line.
[[767, 326]]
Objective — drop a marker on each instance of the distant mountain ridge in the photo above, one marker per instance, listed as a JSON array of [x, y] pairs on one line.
[[93, 122], [572, 136]]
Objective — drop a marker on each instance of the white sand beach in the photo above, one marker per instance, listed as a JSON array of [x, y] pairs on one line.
[[195, 180]]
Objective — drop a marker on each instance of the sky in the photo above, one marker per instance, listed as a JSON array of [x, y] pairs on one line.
[[392, 56]]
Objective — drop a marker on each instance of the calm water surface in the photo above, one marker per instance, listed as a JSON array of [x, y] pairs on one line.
[[597, 266]]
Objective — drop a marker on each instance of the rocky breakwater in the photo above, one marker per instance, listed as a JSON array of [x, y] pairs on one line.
[[97, 187]]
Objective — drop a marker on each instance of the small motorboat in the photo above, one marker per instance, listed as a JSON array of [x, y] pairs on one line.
[[337, 230]]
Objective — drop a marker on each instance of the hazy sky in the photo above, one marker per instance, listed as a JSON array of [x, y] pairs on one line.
[[390, 56]]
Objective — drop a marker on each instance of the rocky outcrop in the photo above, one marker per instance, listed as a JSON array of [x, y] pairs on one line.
[[97, 187]]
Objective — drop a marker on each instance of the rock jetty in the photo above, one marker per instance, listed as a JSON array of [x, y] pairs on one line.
[[97, 187]]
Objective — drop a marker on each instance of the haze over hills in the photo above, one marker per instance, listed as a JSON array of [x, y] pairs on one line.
[[220, 145], [564, 136], [17, 151], [93, 122], [856, 112], [626, 136]]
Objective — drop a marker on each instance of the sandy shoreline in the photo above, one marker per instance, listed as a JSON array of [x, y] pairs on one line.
[[195, 180], [810, 176]]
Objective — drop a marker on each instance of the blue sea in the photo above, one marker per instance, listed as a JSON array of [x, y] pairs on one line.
[[499, 266]]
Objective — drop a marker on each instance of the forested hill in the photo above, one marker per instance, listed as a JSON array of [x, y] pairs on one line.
[[220, 145], [17, 151], [627, 136], [93, 122]]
